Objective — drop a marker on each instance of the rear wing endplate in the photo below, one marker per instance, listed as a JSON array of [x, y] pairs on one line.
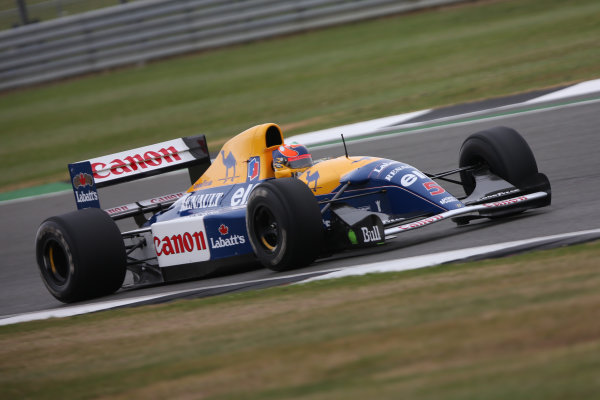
[[87, 176]]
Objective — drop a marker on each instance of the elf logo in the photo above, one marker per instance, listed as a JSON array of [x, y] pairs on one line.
[[240, 196]]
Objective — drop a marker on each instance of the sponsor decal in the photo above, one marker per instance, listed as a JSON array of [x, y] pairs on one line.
[[378, 205], [229, 162], [500, 194], [408, 180], [253, 169], [186, 242], [506, 202], [370, 235], [84, 187], [135, 162], [393, 172], [421, 223], [393, 220], [180, 241], [240, 196], [201, 200], [382, 166], [312, 178], [82, 180], [448, 199], [224, 240], [86, 197], [116, 210], [168, 197], [232, 240], [223, 229]]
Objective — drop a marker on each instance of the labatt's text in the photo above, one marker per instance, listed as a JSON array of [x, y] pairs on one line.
[[230, 241], [85, 197]]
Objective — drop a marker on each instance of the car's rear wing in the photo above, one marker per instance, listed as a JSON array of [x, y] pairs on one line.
[[87, 176]]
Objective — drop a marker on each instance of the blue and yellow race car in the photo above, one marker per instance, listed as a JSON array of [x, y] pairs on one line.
[[264, 201]]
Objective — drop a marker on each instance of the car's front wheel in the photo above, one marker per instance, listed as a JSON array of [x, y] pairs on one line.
[[503, 151], [284, 224]]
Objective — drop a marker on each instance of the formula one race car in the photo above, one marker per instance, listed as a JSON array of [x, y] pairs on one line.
[[265, 201]]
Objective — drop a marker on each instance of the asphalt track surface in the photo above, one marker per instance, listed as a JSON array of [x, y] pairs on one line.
[[564, 138]]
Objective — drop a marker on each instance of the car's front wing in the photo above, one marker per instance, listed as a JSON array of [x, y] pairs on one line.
[[513, 202]]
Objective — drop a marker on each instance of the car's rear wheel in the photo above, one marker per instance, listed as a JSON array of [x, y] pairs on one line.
[[81, 255], [503, 151], [284, 224]]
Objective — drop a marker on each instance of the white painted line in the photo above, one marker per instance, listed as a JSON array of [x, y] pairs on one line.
[[402, 264], [68, 311], [355, 129], [430, 260], [436, 125], [390, 124], [572, 91], [35, 197]]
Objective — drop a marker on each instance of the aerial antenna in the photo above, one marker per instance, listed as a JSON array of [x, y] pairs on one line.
[[345, 148]]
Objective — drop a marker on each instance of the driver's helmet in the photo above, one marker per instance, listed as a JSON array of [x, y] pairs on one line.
[[290, 160]]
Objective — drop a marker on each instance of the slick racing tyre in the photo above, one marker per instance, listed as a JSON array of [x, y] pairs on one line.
[[284, 224], [502, 150], [81, 255]]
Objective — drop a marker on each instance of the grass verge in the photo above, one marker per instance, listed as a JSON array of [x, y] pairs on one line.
[[523, 327], [304, 82]]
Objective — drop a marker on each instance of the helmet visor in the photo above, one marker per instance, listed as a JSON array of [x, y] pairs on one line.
[[301, 161]]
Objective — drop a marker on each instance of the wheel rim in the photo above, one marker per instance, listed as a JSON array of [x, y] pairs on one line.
[[266, 229], [56, 262]]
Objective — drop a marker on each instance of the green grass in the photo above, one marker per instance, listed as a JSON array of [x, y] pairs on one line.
[[303, 82], [523, 327]]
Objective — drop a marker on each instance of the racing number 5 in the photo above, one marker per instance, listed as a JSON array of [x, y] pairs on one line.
[[433, 188]]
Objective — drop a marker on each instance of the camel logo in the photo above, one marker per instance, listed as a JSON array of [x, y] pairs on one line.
[[82, 180], [312, 178], [229, 162], [253, 168]]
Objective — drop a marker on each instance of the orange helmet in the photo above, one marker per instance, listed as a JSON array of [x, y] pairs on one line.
[[290, 160]]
